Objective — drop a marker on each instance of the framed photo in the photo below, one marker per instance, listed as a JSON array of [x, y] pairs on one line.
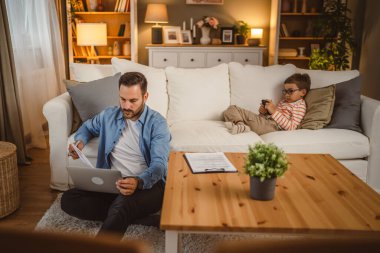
[[314, 47], [227, 35], [204, 1], [186, 37], [172, 34]]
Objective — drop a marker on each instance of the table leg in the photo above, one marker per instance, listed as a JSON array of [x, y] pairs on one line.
[[171, 241]]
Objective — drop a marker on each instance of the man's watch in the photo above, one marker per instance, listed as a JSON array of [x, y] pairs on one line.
[[140, 183]]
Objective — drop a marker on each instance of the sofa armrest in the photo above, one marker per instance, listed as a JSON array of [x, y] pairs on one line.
[[59, 114], [370, 122]]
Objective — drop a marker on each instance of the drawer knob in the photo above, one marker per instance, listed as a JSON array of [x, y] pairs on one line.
[[246, 60], [219, 60], [165, 59], [191, 59]]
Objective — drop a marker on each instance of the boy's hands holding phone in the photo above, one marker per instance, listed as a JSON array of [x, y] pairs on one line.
[[267, 107]]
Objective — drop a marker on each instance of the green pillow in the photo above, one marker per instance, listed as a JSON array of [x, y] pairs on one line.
[[320, 105]]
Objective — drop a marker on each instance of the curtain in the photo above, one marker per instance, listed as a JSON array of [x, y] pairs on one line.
[[39, 61], [11, 128]]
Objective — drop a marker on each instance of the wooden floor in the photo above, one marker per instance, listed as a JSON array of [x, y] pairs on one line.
[[36, 195]]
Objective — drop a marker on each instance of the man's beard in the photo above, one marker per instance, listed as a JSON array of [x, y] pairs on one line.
[[130, 114]]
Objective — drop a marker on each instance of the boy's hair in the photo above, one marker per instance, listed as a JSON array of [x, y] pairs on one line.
[[301, 80], [134, 78]]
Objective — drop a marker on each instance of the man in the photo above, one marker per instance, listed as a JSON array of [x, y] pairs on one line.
[[133, 139]]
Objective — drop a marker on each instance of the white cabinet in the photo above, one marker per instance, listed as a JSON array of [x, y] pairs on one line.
[[198, 56]]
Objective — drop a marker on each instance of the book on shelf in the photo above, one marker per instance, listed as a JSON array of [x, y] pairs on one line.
[[121, 30], [74, 29], [284, 30], [122, 5]]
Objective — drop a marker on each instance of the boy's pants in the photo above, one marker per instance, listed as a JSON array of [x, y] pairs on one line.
[[258, 124]]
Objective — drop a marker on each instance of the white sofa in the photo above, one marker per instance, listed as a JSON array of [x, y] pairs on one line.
[[192, 100]]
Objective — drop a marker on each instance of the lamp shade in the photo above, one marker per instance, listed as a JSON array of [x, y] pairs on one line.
[[92, 34], [256, 33], [156, 13]]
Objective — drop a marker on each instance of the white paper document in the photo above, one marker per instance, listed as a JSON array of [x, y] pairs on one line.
[[82, 157], [209, 162]]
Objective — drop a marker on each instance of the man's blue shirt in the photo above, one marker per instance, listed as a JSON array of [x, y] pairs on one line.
[[153, 141]]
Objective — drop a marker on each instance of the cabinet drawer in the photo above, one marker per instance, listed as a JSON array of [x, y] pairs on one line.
[[164, 59], [247, 58], [214, 59], [192, 60]]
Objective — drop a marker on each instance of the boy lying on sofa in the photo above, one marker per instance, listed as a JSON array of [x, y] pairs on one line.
[[287, 115]]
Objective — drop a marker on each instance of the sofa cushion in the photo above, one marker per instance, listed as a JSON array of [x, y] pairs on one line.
[[208, 136], [346, 114], [92, 97], [251, 83], [158, 95], [323, 78], [340, 143], [320, 104], [198, 94], [88, 72]]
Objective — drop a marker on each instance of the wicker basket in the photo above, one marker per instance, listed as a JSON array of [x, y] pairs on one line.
[[9, 184]]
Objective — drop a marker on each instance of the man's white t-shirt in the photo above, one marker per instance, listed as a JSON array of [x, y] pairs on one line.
[[126, 156]]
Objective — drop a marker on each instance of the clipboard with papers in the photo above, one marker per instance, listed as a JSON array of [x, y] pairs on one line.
[[215, 162]]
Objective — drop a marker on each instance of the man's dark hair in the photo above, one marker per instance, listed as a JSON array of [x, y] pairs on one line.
[[301, 80], [134, 78]]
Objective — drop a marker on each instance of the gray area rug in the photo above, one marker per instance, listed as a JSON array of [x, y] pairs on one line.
[[57, 220]]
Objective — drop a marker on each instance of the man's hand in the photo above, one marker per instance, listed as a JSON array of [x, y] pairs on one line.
[[127, 186], [270, 107], [72, 152]]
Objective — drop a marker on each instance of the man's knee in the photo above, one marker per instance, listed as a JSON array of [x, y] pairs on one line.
[[69, 201], [231, 114]]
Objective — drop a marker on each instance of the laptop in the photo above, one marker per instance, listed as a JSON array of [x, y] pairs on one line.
[[96, 180]]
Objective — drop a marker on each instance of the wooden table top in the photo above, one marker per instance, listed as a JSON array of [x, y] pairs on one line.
[[316, 194]]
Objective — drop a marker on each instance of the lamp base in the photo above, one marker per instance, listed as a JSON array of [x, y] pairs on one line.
[[253, 42], [156, 35]]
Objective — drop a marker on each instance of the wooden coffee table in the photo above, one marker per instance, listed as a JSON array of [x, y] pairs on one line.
[[317, 195]]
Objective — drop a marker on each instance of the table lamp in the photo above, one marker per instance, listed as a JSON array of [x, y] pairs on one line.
[[92, 34], [156, 13], [256, 36]]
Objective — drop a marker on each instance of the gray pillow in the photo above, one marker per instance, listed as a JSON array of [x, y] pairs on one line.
[[346, 114], [93, 97]]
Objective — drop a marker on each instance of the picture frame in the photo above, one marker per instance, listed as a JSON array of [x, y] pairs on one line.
[[227, 35], [172, 34], [186, 37], [209, 2]]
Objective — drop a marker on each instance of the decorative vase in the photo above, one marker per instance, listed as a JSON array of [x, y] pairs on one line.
[[240, 39], [262, 190], [205, 39], [116, 48], [127, 48]]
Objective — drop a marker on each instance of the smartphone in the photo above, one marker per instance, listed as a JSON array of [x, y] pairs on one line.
[[263, 102]]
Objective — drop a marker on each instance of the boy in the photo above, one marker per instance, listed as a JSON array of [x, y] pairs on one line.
[[286, 116]]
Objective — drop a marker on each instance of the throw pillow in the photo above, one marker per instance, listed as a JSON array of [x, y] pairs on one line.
[[323, 78], [320, 105], [82, 72], [252, 83], [93, 97], [198, 94], [346, 113], [76, 118]]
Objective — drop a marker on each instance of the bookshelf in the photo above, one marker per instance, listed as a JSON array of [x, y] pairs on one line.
[[293, 29], [115, 13]]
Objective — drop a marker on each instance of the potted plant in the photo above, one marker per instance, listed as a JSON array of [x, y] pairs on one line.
[[265, 162], [242, 32], [334, 25]]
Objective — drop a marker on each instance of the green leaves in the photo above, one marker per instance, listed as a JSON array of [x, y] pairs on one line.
[[265, 161]]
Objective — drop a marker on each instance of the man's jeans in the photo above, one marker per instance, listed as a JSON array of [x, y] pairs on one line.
[[115, 210]]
